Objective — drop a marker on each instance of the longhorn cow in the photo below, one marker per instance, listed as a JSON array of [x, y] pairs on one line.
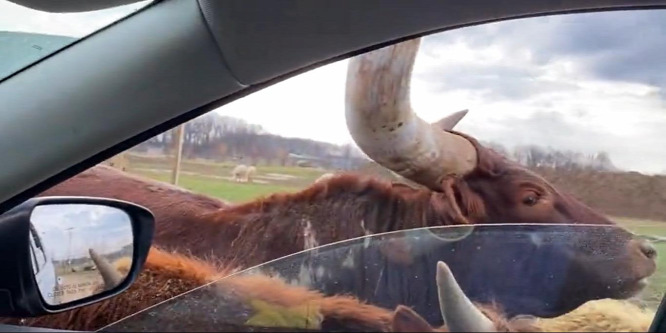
[[464, 183]]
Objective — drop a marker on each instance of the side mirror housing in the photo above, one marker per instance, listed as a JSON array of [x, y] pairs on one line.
[[61, 253]]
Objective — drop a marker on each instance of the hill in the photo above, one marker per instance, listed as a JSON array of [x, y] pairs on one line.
[[629, 194]]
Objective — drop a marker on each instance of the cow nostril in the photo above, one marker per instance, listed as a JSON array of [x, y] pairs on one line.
[[648, 249]]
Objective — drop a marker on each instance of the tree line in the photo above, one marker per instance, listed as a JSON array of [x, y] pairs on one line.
[[533, 156], [222, 138]]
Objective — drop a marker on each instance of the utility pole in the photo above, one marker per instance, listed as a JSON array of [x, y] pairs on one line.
[[69, 245], [179, 135]]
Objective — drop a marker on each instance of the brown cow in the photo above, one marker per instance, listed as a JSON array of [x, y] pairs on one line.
[[466, 184], [240, 300], [237, 299]]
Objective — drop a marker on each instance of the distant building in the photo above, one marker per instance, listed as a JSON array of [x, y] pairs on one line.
[[327, 162], [306, 161]]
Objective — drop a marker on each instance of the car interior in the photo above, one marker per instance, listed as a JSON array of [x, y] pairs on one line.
[[174, 60]]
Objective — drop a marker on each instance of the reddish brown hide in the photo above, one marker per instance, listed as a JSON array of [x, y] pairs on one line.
[[167, 275], [229, 304]]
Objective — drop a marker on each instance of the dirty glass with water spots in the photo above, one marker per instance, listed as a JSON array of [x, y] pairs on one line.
[[545, 273]]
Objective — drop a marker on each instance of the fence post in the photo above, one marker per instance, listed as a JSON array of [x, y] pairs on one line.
[[175, 173]]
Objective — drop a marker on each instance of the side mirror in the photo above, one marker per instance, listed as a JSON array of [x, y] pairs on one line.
[[60, 253]]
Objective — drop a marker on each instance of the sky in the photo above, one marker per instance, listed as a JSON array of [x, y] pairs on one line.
[[69, 230], [571, 82]]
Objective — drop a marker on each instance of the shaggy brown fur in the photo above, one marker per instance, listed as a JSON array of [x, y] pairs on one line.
[[167, 275], [349, 205], [339, 208]]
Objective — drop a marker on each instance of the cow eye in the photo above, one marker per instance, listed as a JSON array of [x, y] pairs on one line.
[[531, 199]]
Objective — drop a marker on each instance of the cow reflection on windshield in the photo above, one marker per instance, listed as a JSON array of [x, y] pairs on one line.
[[468, 277]]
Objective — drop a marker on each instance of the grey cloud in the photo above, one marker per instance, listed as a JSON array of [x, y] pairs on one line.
[[492, 82], [617, 45], [548, 128], [613, 46], [627, 46]]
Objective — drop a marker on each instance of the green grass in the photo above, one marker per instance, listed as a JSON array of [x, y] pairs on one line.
[[641, 226], [216, 168], [226, 190], [206, 177], [655, 290]]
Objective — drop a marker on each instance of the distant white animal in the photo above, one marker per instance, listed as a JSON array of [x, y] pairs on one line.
[[243, 173]]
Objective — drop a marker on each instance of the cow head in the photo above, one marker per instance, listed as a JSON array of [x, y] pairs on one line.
[[482, 186]]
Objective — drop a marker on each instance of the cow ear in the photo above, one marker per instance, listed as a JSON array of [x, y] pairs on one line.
[[450, 121], [406, 320]]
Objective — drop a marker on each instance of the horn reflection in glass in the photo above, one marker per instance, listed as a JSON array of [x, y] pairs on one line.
[[79, 250]]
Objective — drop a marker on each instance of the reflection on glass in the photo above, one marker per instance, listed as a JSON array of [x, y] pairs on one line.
[[79, 250], [544, 271]]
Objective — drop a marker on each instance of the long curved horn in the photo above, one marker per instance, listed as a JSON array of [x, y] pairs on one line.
[[381, 121], [112, 278], [458, 312]]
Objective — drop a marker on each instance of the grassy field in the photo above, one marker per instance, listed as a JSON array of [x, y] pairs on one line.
[[213, 179]]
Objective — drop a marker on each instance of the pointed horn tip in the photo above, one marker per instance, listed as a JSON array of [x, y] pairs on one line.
[[459, 114], [450, 121], [444, 275], [474, 320], [443, 269]]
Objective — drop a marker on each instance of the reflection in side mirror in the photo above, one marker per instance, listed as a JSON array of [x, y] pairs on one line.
[[79, 250]]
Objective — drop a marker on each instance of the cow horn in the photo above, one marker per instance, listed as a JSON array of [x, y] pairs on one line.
[[458, 312], [381, 121], [112, 278]]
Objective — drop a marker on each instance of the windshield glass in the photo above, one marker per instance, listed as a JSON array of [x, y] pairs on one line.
[[544, 271], [28, 35]]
